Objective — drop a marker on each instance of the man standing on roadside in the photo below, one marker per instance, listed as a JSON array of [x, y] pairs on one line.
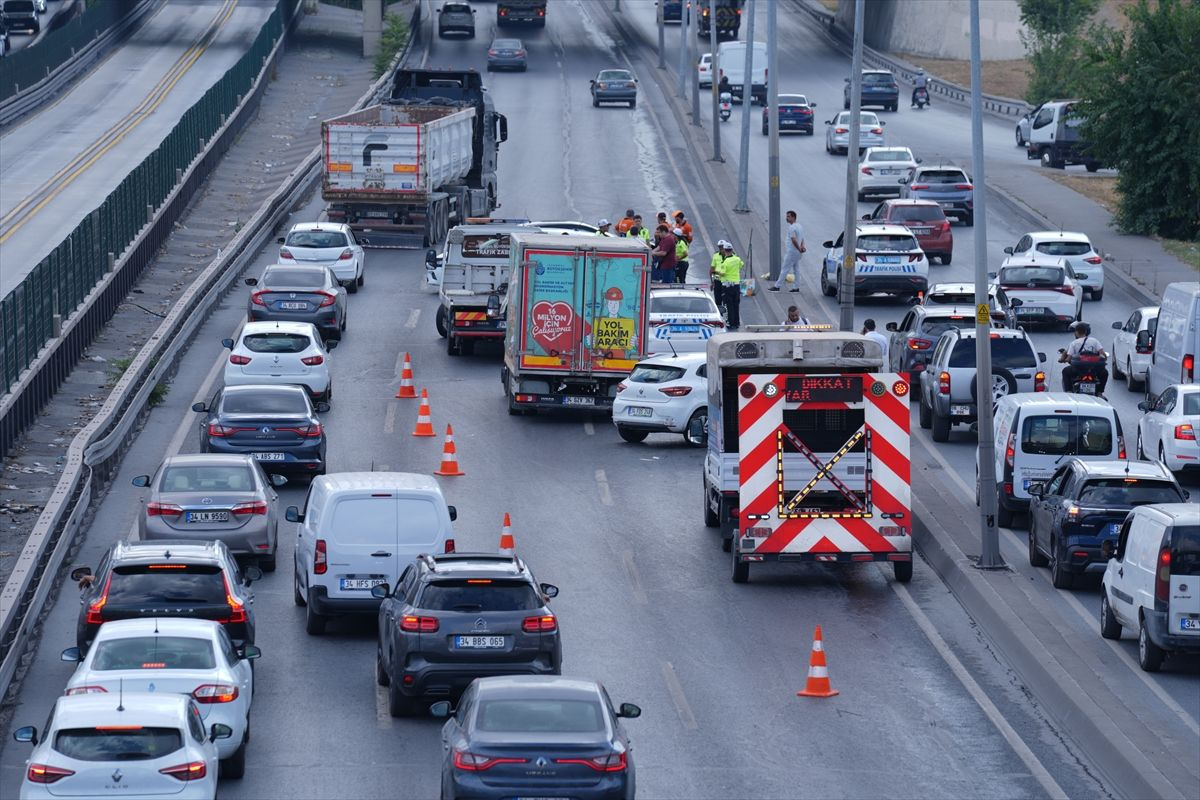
[[793, 248], [664, 254]]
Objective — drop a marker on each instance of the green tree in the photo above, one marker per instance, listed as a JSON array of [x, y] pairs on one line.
[[1053, 41], [1139, 100], [395, 37], [1052, 18]]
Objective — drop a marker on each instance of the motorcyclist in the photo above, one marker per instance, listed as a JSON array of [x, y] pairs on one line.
[[1084, 344], [920, 81]]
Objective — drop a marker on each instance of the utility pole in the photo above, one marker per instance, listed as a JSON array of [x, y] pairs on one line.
[[743, 205], [694, 25], [716, 65], [850, 237], [683, 28], [774, 226], [662, 48], [989, 553]]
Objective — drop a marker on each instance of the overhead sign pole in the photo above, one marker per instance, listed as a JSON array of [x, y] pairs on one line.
[[662, 33], [850, 237], [694, 25], [683, 65], [774, 222], [743, 205]]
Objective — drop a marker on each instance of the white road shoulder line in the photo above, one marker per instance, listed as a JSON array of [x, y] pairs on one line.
[[589, 429], [389, 421], [678, 697], [605, 492], [413, 316]]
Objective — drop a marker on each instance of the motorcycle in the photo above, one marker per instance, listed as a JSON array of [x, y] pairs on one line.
[[726, 107], [1087, 378], [921, 98]]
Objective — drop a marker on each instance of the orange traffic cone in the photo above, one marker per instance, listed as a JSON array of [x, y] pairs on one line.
[[449, 466], [406, 389], [424, 424], [817, 684], [508, 547]]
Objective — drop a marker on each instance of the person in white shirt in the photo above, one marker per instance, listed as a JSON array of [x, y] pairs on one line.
[[870, 332], [794, 320], [1084, 344], [793, 247]]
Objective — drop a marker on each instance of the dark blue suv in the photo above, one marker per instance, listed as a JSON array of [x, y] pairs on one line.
[[879, 88]]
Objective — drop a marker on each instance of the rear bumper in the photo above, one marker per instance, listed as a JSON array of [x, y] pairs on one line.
[[564, 402], [322, 603], [306, 461], [450, 680], [609, 96], [1156, 626], [252, 539], [752, 557]]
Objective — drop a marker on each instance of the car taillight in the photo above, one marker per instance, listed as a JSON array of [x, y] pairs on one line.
[[944, 383], [630, 85], [219, 431], [312, 361], [44, 773], [601, 85], [346, 255], [254, 507], [414, 624], [861, 257], [1162, 575], [622, 386], [1010, 451], [915, 257], [215, 693], [867, 171], [944, 225], [919, 344], [714, 323], [1072, 511], [493, 52], [256, 298], [919, 186], [241, 361], [1039, 382], [95, 612], [448, 547], [320, 560], [1185, 432], [1187, 370], [612, 762], [1120, 445], [237, 610], [676, 391], [1065, 290], [877, 130], [841, 130], [543, 624], [86, 690], [192, 771], [163, 510], [329, 299], [470, 762], [964, 187], [285, 253]]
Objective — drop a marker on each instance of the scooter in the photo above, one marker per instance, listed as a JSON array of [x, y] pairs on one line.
[[726, 107], [921, 98], [1087, 380]]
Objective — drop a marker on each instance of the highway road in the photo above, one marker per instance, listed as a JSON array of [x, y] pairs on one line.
[[927, 706], [58, 164]]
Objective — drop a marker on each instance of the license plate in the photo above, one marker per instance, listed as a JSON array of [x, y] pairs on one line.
[[889, 171], [1087, 388], [921, 231], [887, 259], [269, 456], [1189, 624], [208, 516], [579, 401], [359, 583], [946, 205], [960, 411], [786, 122], [1030, 311], [479, 642], [684, 328], [639, 411], [293, 306]]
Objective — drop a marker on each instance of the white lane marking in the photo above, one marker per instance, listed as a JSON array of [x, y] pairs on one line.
[[677, 696], [985, 704], [383, 717], [1122, 653], [635, 577], [413, 316], [389, 421], [589, 429], [605, 493], [202, 395]]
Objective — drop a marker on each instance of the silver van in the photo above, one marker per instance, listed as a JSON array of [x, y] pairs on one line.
[[1176, 340]]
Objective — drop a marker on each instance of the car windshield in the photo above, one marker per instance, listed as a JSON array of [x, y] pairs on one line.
[[917, 214], [868, 120], [1007, 353], [889, 155], [887, 242], [206, 479], [18, 6], [1185, 550], [126, 744], [470, 596], [276, 342], [1067, 435], [677, 304], [1064, 248], [615, 75], [939, 325], [316, 239], [154, 652], [1191, 404], [264, 402], [486, 245], [540, 716], [294, 278], [1037, 276], [1128, 492], [655, 373], [943, 176], [878, 77], [168, 582], [793, 100], [951, 298]]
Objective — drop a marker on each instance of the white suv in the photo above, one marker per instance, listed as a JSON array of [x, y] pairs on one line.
[[889, 262], [280, 353], [1075, 247]]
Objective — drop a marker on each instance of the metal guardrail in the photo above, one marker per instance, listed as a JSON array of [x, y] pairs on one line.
[[95, 453]]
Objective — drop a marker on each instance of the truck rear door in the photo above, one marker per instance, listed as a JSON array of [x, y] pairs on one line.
[[552, 325], [615, 288]]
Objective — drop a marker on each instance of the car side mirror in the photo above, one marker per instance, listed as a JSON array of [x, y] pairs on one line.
[[71, 654], [891, 326], [1036, 489], [364, 241], [321, 407], [548, 589], [441, 709], [332, 344], [278, 480], [992, 275], [380, 591], [920, 161], [882, 123], [592, 82], [292, 514], [1041, 358], [141, 481], [219, 731], [250, 652], [827, 243], [251, 281], [1107, 549], [26, 734], [1186, 494], [847, 80], [1144, 406], [828, 122], [812, 105], [902, 180], [1116, 326], [251, 574], [696, 433], [200, 407], [866, 216], [227, 344], [79, 573], [1008, 250], [629, 711], [431, 256]]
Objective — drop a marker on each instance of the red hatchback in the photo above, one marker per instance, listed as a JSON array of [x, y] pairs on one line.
[[925, 219]]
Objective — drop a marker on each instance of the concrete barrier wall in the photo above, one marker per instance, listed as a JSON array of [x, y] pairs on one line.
[[939, 28]]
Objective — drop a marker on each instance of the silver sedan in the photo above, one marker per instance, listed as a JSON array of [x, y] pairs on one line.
[[213, 496], [837, 132]]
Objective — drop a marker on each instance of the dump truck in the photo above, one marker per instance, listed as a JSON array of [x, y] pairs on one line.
[[409, 169], [576, 318], [521, 12], [729, 19]]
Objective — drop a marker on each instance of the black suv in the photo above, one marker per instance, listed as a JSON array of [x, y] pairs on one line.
[[184, 578], [456, 617]]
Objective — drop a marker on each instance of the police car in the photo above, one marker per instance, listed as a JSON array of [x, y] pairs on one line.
[[683, 317], [889, 261]]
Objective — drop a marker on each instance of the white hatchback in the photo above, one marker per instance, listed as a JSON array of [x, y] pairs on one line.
[[1130, 359], [1168, 428], [146, 744], [327, 244], [193, 657], [280, 353], [682, 319], [704, 70], [882, 168], [1075, 247], [666, 394], [1041, 290]]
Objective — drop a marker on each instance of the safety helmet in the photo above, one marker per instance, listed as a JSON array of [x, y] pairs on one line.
[[677, 231], [676, 214], [603, 223]]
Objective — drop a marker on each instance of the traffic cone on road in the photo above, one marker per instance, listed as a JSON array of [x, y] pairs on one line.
[[817, 684], [508, 547], [424, 423], [406, 389], [449, 466]]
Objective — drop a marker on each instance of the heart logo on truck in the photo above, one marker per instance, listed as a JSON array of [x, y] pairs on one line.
[[553, 326]]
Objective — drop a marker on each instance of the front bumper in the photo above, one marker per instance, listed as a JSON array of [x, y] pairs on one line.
[[889, 283]]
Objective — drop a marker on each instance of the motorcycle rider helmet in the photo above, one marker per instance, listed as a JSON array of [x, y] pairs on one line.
[[1081, 326]]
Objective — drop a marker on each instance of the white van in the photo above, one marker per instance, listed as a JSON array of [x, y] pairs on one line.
[[360, 529], [1036, 432], [1176, 339], [1150, 583], [731, 63]]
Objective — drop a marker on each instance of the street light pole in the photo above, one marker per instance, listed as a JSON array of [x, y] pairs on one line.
[[743, 205], [716, 101], [774, 241], [662, 47], [850, 237], [694, 24], [989, 554], [683, 29]]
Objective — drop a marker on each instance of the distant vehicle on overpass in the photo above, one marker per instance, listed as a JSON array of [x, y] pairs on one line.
[[521, 12]]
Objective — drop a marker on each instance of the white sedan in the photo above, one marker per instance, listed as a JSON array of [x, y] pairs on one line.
[[1129, 359], [664, 393], [328, 244], [148, 745], [280, 353], [193, 657], [837, 132], [682, 319], [1168, 429], [882, 168]]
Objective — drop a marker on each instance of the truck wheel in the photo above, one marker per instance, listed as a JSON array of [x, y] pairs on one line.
[[632, 435], [1150, 655], [439, 321], [741, 569], [903, 571], [1091, 166], [1110, 627], [941, 427], [1050, 160]]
